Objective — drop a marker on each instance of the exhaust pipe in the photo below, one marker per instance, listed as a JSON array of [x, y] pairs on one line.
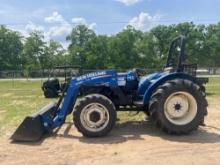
[[32, 128]]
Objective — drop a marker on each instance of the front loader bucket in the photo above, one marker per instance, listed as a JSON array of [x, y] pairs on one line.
[[32, 128]]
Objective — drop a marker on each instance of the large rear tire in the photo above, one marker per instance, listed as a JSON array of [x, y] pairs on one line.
[[94, 115], [178, 106]]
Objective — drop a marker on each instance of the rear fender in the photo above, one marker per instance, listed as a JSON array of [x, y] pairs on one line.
[[162, 80]]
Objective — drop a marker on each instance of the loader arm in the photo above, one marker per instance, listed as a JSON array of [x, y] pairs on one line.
[[67, 103], [50, 117], [107, 78]]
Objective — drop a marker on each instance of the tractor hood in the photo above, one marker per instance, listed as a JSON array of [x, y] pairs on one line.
[[105, 77]]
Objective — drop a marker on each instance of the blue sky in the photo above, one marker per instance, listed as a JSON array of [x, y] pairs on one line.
[[56, 17]]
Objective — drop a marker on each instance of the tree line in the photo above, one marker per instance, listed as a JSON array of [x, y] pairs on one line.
[[129, 48]]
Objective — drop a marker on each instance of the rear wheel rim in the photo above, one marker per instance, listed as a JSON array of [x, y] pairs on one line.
[[94, 117], [180, 108]]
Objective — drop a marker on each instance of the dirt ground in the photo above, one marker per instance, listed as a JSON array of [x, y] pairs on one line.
[[128, 143]]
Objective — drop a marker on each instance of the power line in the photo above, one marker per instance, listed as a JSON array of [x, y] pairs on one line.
[[117, 22]]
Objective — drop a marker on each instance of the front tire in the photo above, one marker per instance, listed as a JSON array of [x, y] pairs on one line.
[[94, 115], [178, 106]]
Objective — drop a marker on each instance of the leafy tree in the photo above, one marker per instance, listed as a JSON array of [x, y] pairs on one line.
[[212, 46], [10, 49], [97, 55], [126, 49], [122, 49], [34, 56], [147, 52], [55, 54], [79, 38]]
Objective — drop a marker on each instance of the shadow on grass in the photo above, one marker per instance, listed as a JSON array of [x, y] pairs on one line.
[[131, 130]]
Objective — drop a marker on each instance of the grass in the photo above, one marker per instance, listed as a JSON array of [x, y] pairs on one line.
[[17, 100], [213, 87], [20, 98]]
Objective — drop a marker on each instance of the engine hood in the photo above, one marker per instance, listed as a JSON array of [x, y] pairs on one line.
[[98, 78]]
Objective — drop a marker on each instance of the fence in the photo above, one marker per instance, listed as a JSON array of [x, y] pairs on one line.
[[42, 74]]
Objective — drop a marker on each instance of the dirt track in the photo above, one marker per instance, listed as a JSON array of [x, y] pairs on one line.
[[128, 143]]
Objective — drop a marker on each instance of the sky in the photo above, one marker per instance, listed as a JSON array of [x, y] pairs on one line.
[[56, 18]]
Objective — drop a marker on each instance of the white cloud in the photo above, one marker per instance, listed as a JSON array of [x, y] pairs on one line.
[[55, 27], [54, 18], [62, 28], [58, 31], [79, 20], [145, 21], [92, 26], [32, 27], [65, 44], [27, 29], [82, 21], [129, 2]]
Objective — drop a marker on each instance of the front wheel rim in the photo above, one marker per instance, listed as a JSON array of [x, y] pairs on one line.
[[180, 108], [94, 117]]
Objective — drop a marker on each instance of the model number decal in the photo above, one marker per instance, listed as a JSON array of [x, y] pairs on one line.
[[91, 75]]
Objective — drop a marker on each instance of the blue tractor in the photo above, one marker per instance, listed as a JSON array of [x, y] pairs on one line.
[[173, 98]]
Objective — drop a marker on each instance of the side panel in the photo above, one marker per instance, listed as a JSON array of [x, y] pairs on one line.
[[162, 80], [108, 78]]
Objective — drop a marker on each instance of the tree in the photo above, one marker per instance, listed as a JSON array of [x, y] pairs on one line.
[[122, 49], [126, 49], [55, 54], [10, 49], [97, 55], [34, 56], [212, 47], [146, 52], [79, 38], [160, 41]]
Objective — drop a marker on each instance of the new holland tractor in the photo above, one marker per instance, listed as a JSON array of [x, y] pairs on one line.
[[173, 98]]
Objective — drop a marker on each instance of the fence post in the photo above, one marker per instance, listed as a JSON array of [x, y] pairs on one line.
[[13, 81]]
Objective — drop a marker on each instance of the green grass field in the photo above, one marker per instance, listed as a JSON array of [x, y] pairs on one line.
[[20, 98], [213, 87]]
